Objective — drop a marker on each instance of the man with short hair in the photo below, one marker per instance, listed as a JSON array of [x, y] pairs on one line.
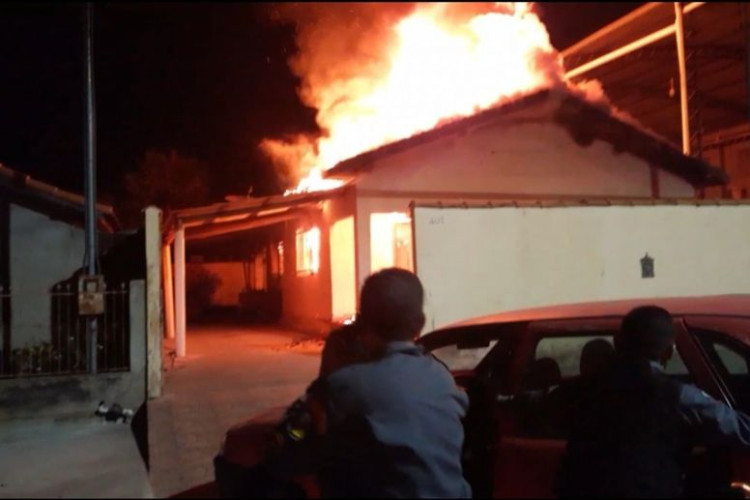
[[633, 428], [394, 424]]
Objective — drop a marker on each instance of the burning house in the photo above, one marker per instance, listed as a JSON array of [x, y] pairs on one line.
[[546, 146], [469, 105]]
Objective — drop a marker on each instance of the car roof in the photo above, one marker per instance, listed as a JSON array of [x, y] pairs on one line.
[[737, 305]]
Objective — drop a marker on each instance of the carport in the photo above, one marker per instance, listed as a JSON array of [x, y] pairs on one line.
[[212, 221]]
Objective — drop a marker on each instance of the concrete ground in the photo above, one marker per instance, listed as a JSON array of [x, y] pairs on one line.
[[81, 458], [229, 374]]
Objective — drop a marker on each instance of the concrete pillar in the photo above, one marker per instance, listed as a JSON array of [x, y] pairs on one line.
[[179, 285], [154, 322], [166, 258]]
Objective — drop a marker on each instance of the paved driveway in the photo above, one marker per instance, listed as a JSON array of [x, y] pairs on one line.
[[230, 374]]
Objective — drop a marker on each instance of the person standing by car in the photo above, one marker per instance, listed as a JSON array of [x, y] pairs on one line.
[[394, 424], [634, 428]]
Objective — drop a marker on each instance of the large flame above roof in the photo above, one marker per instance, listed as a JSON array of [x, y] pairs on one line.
[[392, 72]]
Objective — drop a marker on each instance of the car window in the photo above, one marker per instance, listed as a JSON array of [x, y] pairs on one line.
[[731, 359], [464, 358], [566, 351]]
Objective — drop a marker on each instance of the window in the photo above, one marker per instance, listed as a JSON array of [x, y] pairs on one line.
[[566, 351], [731, 359], [308, 251], [390, 241], [462, 358]]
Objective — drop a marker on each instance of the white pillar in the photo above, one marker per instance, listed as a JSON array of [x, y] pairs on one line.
[[166, 258], [154, 322], [179, 285]]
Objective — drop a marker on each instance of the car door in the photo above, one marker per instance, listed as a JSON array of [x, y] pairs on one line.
[[724, 343], [528, 456]]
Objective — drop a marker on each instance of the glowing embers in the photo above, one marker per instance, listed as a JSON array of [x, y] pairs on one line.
[[390, 241], [308, 251]]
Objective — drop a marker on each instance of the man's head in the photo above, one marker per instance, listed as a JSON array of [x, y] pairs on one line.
[[391, 304], [647, 332], [595, 356]]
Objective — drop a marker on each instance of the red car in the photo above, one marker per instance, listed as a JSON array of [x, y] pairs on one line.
[[491, 357]]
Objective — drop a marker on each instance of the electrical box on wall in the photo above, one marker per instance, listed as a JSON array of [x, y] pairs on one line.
[[91, 295]]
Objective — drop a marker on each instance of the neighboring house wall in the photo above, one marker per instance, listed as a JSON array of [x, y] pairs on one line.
[[232, 275], [42, 252], [79, 395]]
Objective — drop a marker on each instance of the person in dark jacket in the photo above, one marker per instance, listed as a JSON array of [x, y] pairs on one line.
[[633, 429]]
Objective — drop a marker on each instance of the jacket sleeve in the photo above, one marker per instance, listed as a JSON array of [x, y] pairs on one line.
[[716, 422]]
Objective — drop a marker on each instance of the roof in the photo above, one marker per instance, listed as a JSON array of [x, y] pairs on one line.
[[585, 121], [737, 305], [242, 215], [52, 201], [640, 82], [586, 202]]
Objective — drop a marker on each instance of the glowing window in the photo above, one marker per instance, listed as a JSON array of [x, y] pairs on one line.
[[308, 251], [390, 241]]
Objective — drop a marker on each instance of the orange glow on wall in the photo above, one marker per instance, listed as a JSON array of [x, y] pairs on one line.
[[343, 273], [308, 251], [390, 241]]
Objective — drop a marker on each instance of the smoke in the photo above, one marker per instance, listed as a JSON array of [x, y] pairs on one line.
[[340, 56]]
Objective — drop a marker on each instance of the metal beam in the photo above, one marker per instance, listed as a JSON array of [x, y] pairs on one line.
[[631, 47], [680, 39], [709, 53]]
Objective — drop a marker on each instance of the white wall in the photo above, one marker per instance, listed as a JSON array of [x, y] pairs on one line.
[[42, 252], [532, 158], [480, 261]]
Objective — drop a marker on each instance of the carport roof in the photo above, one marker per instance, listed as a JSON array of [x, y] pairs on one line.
[[646, 81], [584, 120], [251, 213]]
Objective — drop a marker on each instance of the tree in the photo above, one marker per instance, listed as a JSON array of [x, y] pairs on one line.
[[166, 180]]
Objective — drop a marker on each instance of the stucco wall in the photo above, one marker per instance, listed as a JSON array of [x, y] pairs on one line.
[[524, 159], [480, 261], [42, 252], [232, 282], [307, 299]]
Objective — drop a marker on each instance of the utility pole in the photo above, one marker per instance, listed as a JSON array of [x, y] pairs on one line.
[[89, 286]]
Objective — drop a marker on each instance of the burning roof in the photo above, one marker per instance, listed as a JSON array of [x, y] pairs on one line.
[[584, 120], [387, 76]]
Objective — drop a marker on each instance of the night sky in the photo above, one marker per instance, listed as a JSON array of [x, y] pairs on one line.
[[206, 80]]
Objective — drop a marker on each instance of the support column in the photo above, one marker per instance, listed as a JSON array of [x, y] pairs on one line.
[[680, 40], [179, 284], [154, 321], [166, 258]]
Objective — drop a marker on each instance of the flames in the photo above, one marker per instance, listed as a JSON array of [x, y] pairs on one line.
[[418, 69]]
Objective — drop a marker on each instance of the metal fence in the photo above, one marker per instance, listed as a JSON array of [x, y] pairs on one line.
[[55, 343]]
